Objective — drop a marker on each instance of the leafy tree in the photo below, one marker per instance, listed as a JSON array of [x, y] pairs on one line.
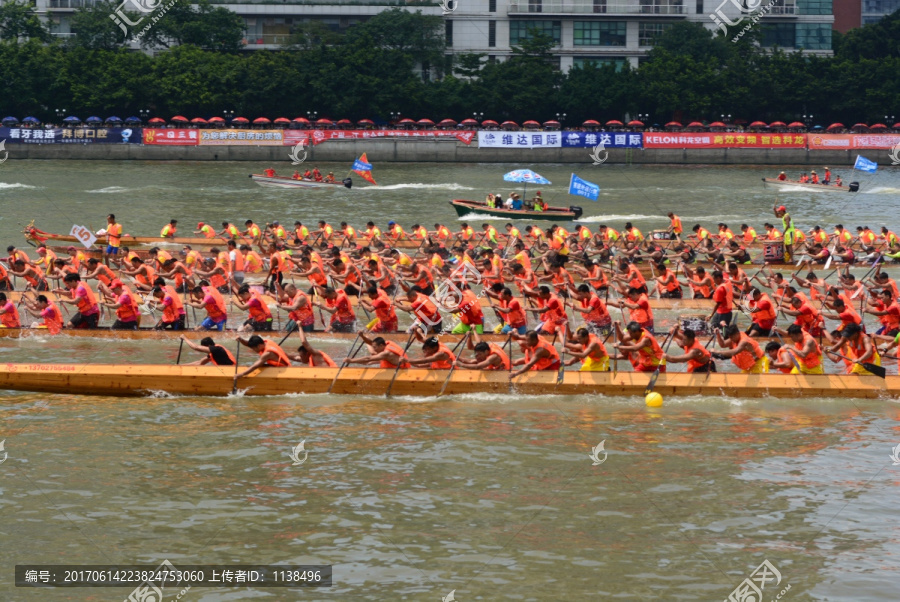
[[95, 30], [19, 21], [207, 27], [878, 40], [469, 64], [413, 34]]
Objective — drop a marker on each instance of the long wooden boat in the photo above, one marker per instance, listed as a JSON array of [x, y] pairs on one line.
[[143, 380], [555, 214], [288, 182], [657, 304], [851, 187]]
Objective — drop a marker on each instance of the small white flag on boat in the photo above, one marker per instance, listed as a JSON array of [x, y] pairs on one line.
[[84, 236]]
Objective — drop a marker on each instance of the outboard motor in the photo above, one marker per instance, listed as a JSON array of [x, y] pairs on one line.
[[347, 182], [854, 186], [576, 210]]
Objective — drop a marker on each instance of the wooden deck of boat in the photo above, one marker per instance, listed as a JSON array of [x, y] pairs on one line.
[[142, 380]]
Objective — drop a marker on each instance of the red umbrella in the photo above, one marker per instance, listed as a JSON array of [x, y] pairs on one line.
[[240, 120], [759, 124], [695, 124], [614, 122], [469, 121], [878, 126], [717, 124], [553, 124], [406, 120], [590, 122], [447, 123], [324, 121], [835, 126], [216, 120], [301, 120], [157, 120], [777, 124], [509, 124], [896, 126], [282, 120], [634, 123], [344, 122], [200, 120], [261, 121], [365, 122], [860, 126], [531, 124], [489, 122], [425, 122], [179, 119], [796, 124], [674, 124]]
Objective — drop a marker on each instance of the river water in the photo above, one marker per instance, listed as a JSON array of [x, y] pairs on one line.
[[494, 497]]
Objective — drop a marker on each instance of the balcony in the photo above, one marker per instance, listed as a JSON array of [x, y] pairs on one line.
[[267, 39], [598, 7]]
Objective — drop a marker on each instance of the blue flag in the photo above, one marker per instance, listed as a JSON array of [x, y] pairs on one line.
[[863, 164], [580, 187], [361, 165]]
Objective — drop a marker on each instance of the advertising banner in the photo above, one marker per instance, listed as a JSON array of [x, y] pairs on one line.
[[241, 137], [723, 140], [608, 139], [519, 139], [852, 141], [100, 135], [172, 137], [292, 137], [320, 136]]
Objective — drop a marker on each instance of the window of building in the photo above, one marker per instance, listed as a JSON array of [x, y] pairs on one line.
[[492, 6], [448, 30], [699, 7], [599, 33], [814, 36], [535, 6], [492, 34], [599, 6], [778, 34], [519, 30], [662, 7], [648, 32], [814, 7], [599, 61], [881, 6]]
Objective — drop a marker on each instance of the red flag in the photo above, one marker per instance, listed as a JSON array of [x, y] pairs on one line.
[[362, 167]]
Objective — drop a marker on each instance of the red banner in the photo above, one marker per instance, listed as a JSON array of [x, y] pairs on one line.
[[179, 137], [320, 136], [292, 137], [852, 141], [723, 140]]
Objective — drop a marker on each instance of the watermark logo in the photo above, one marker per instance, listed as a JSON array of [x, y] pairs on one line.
[[895, 457], [447, 7], [751, 588], [149, 591], [6, 455], [295, 454], [748, 7], [595, 454], [6, 153], [449, 597], [296, 159], [448, 296], [894, 154], [120, 17], [600, 148]]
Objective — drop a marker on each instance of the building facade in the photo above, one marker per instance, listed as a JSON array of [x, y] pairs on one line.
[[874, 11]]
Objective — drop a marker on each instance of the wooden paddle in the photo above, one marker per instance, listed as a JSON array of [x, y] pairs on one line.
[[237, 363], [562, 363], [875, 369], [453, 366], [180, 345], [655, 375], [399, 363], [352, 353]]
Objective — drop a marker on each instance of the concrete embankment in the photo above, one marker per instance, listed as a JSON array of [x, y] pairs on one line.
[[428, 151]]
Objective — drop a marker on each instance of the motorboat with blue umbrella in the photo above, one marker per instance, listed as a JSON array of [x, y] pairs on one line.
[[524, 176]]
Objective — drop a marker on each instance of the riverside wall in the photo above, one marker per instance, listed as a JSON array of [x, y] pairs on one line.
[[428, 151]]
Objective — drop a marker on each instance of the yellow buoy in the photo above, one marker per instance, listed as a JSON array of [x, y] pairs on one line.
[[653, 399]]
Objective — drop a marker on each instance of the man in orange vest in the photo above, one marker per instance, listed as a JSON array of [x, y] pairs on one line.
[[745, 353], [215, 354], [308, 356], [387, 354], [270, 354], [436, 355], [675, 228], [696, 356], [113, 237], [539, 354]]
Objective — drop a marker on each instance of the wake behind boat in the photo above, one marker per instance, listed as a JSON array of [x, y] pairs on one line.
[[275, 181]]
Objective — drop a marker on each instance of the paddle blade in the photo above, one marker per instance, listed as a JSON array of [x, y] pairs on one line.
[[652, 382], [372, 324], [878, 371]]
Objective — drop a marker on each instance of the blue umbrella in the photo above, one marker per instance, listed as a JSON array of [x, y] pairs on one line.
[[71, 119], [818, 127], [113, 119], [9, 120], [525, 176], [31, 120], [93, 119], [132, 120]]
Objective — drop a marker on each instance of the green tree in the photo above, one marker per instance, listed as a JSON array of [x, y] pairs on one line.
[[95, 30], [312, 34], [207, 27], [414, 34], [19, 21]]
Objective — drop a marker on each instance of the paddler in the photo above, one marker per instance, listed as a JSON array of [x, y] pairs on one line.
[[42, 307], [168, 231], [173, 308], [468, 309], [588, 348], [422, 308], [229, 231], [125, 303], [592, 309], [539, 354], [204, 296], [638, 305], [511, 309], [215, 354], [205, 230], [80, 295], [9, 314], [827, 179], [640, 347], [173, 269], [806, 351], [488, 356], [98, 271], [745, 353], [325, 231], [441, 232], [35, 279], [343, 319], [252, 231], [380, 304], [143, 274], [308, 356], [387, 354], [270, 354], [748, 234], [696, 356], [778, 357], [299, 308], [260, 319], [762, 314], [782, 176], [723, 295], [46, 259], [860, 347], [435, 355], [113, 237]]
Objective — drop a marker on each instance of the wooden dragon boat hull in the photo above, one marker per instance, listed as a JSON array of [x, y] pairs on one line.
[[141, 380]]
